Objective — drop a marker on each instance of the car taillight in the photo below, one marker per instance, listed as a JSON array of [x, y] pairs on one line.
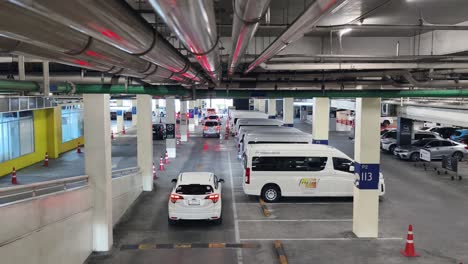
[[217, 127], [466, 147], [205, 128], [213, 197], [175, 197], [247, 175]]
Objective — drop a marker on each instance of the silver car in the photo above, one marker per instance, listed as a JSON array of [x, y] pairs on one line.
[[388, 141], [211, 128], [438, 148]]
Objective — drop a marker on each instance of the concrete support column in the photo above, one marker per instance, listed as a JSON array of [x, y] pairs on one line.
[[145, 141], [98, 166], [288, 111], [320, 120], [134, 113], [45, 77], [191, 106], [170, 120], [272, 108], [367, 156], [183, 121], [198, 110], [261, 105], [120, 120], [21, 68]]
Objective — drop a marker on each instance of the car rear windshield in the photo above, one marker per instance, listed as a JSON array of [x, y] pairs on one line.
[[457, 133], [211, 123], [390, 134], [194, 189], [212, 117]]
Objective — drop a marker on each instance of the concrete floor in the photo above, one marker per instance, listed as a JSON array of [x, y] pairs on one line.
[[311, 230]]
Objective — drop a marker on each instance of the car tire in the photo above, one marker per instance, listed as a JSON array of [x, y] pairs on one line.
[[391, 149], [218, 221], [414, 156], [458, 155], [271, 193], [171, 222], [386, 123]]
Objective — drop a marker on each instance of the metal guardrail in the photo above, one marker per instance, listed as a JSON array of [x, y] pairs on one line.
[[124, 172], [14, 193]]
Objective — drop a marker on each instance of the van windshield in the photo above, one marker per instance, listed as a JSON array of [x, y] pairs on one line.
[[211, 123]]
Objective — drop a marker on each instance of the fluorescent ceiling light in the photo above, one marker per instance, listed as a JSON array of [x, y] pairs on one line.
[[345, 31]]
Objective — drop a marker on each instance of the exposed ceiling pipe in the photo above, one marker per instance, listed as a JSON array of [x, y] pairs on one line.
[[303, 24], [434, 83], [363, 66], [194, 24], [76, 78], [383, 27], [247, 15], [36, 28]]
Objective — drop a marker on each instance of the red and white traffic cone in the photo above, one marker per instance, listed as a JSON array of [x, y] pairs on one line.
[[112, 134], [409, 248], [166, 158], [161, 164], [78, 149], [46, 160], [123, 130], [154, 172], [13, 177]]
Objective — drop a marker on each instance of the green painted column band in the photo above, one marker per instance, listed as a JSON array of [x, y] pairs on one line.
[[161, 90], [18, 86]]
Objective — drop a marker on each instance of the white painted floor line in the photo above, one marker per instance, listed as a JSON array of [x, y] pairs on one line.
[[234, 210], [320, 239], [311, 203], [295, 220]]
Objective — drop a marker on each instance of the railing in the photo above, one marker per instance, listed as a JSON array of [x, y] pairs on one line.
[[124, 172], [10, 194]]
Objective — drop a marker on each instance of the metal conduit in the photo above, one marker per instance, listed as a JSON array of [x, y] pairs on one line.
[[304, 23], [435, 83], [194, 24], [247, 15], [116, 24]]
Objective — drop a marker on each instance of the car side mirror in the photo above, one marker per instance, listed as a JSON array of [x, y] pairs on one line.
[[351, 168], [221, 180], [174, 180]]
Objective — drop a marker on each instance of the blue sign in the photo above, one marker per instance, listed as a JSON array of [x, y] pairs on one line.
[[367, 176], [196, 110], [119, 112], [320, 141], [134, 110], [191, 113]]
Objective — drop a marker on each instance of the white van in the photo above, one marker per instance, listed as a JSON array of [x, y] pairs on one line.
[[266, 129], [278, 137], [244, 114], [275, 170], [241, 122]]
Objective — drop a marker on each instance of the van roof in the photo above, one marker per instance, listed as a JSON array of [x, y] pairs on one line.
[[293, 148], [280, 137], [195, 178]]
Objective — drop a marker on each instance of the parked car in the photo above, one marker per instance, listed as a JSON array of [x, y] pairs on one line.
[[159, 131], [459, 133], [438, 148], [211, 128], [196, 196], [463, 139], [444, 132], [388, 141]]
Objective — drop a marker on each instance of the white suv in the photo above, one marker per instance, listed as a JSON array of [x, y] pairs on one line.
[[196, 196]]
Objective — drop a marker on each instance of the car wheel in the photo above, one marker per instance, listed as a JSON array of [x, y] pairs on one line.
[[458, 155], [218, 221], [414, 156], [386, 123], [171, 222], [391, 149], [271, 193]]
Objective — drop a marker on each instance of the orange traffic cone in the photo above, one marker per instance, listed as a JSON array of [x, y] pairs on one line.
[[78, 149], [166, 158], [154, 172], [46, 160], [13, 177], [161, 164], [409, 248], [123, 130]]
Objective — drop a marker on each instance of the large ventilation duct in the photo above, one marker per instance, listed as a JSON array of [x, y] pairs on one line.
[[247, 15], [194, 24], [115, 23], [76, 78], [303, 24]]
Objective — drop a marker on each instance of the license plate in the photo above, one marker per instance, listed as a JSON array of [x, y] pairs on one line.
[[194, 202]]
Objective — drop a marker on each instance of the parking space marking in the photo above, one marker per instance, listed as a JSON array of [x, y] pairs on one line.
[[189, 246], [296, 220], [320, 239], [234, 210]]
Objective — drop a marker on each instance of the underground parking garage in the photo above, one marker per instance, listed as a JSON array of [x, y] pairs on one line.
[[322, 131]]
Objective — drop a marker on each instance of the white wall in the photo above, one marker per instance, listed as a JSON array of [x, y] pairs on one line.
[[125, 191], [50, 229]]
